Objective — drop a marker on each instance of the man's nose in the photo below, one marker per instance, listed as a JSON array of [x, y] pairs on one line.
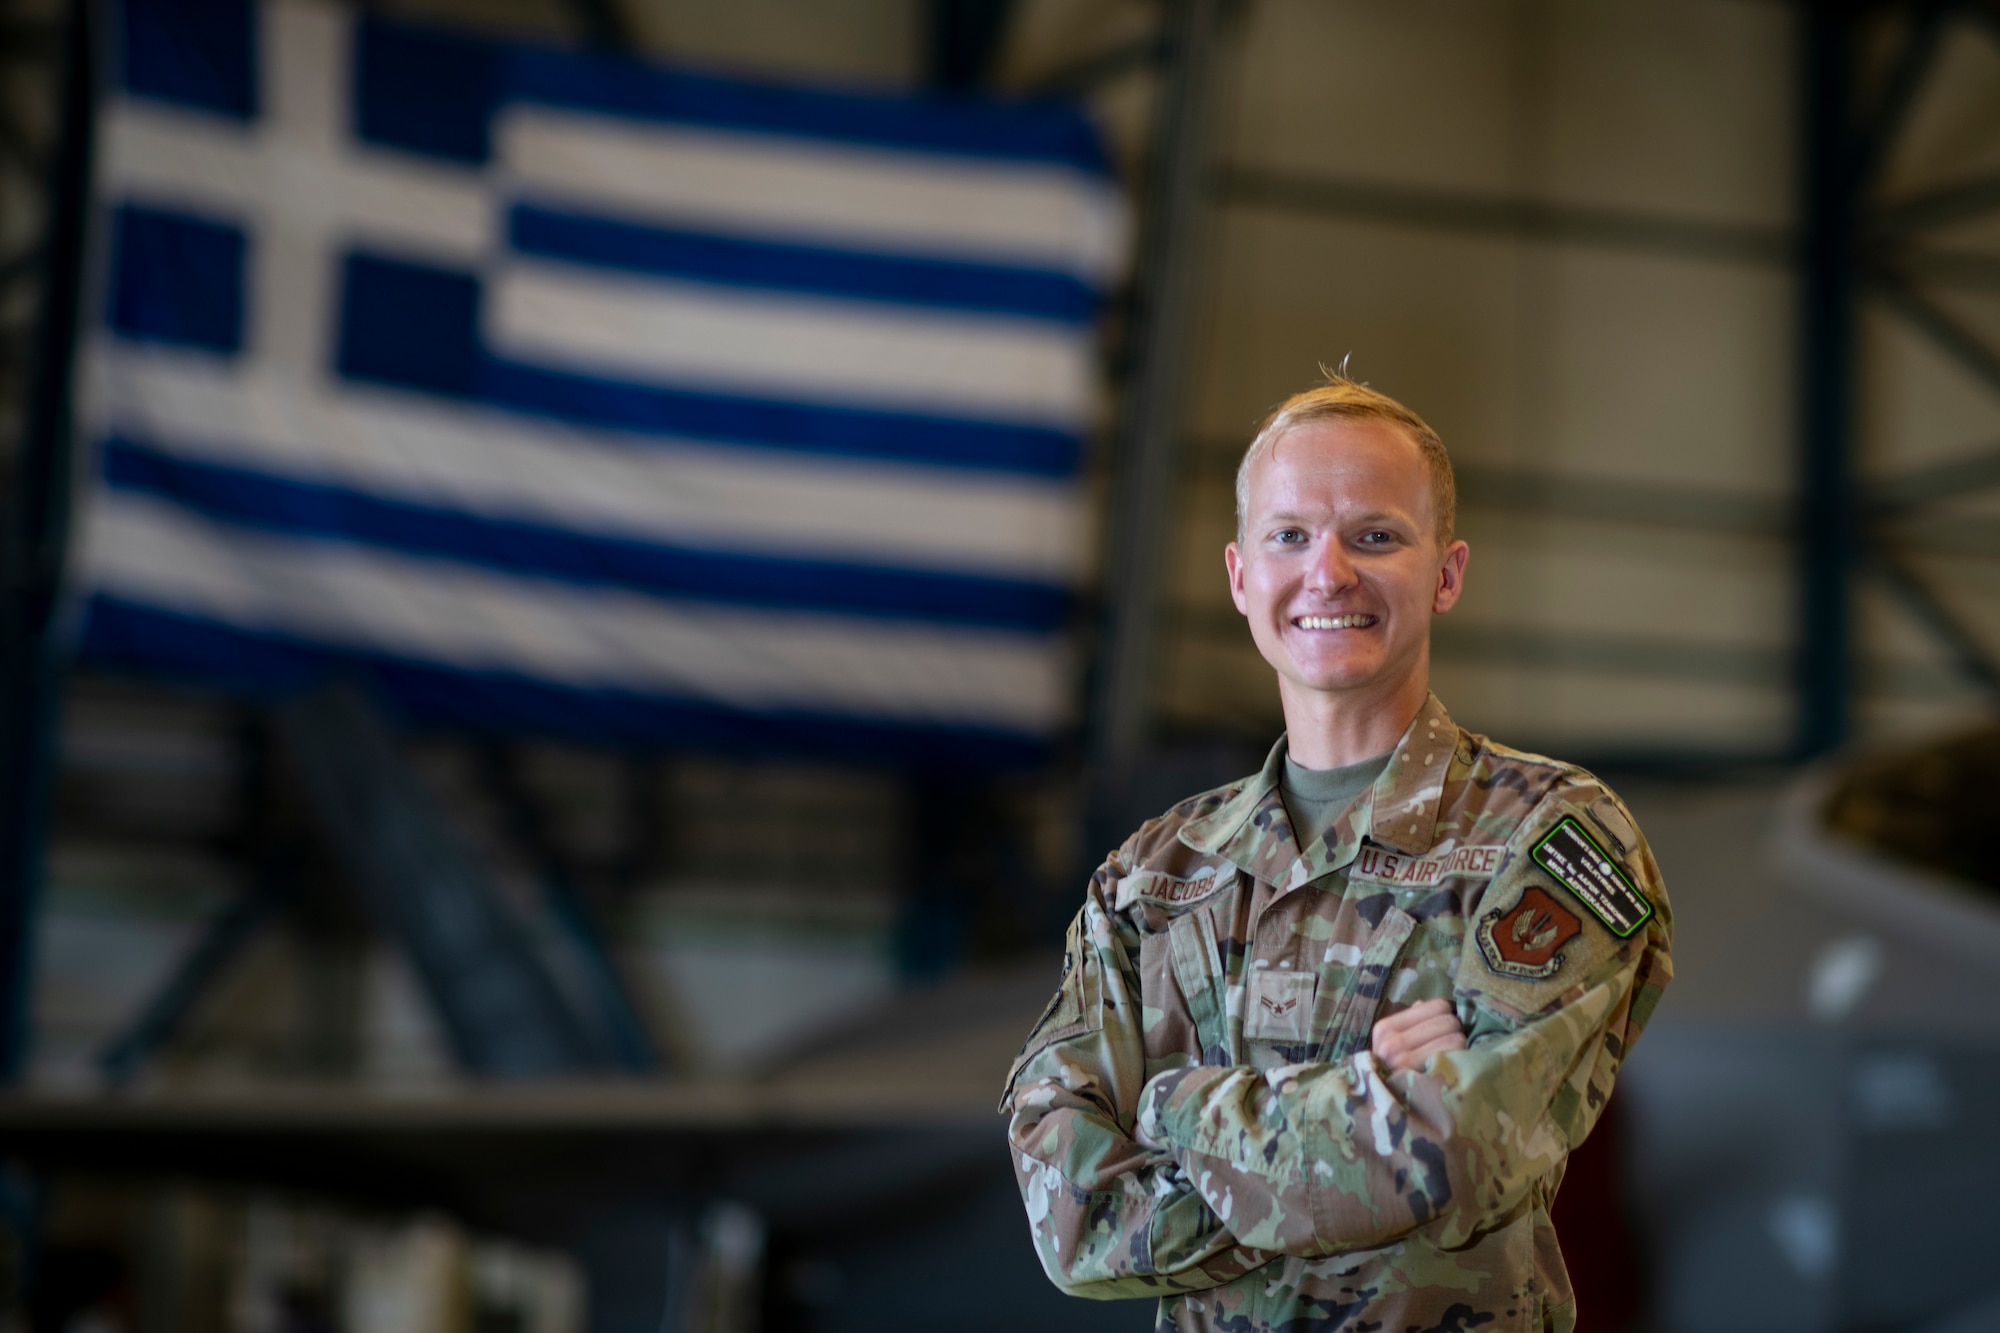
[[1332, 570]]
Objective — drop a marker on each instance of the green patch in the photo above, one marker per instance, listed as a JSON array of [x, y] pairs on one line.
[[1064, 1016], [1580, 864]]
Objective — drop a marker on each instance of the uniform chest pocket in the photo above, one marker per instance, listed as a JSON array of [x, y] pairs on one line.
[[1278, 1006], [1186, 992], [1348, 1005]]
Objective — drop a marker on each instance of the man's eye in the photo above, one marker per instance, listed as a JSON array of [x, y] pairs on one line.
[[1377, 538], [1288, 536]]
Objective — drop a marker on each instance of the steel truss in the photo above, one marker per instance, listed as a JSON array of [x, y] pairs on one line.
[[1856, 243]]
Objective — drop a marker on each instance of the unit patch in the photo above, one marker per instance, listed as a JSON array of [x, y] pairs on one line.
[[1375, 866], [1064, 1016], [1522, 941], [1579, 864], [1065, 993]]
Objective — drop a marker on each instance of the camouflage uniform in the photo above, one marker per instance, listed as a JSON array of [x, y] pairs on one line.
[[1197, 1116]]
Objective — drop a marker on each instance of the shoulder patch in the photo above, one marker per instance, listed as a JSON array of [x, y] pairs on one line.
[[1065, 1016], [1580, 864], [1526, 940], [1065, 998]]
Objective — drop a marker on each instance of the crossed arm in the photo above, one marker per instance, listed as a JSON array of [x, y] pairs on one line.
[[1406, 1040], [1201, 1174], [1402, 1041], [1198, 1174]]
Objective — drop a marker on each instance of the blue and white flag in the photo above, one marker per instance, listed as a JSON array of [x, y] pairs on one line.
[[555, 393]]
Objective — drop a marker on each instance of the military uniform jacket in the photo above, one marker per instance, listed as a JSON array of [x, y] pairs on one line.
[[1198, 1117]]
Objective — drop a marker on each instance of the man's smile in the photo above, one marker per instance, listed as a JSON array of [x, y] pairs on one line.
[[1352, 620]]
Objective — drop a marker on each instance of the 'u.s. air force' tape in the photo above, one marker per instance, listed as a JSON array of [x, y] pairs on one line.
[[1576, 861]]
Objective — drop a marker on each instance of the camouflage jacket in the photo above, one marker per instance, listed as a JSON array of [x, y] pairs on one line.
[[1197, 1116]]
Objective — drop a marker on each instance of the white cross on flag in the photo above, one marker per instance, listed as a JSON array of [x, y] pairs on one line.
[[551, 392]]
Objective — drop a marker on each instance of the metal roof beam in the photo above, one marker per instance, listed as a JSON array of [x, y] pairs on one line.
[[1877, 140], [1096, 71], [1499, 215], [1945, 332], [1944, 481], [1921, 600], [1952, 268], [1941, 207]]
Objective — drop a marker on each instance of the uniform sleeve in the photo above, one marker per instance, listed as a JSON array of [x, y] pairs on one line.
[[1314, 1159], [1110, 1217]]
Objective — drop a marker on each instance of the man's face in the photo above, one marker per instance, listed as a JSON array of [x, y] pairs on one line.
[[1338, 568]]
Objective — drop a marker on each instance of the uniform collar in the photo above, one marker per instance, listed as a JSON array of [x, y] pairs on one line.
[[1252, 832], [1410, 788]]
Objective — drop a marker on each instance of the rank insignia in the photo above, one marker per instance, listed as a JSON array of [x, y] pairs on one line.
[[1280, 1005], [1523, 940]]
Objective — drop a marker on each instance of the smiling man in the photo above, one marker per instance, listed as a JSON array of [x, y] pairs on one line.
[[1326, 1036]]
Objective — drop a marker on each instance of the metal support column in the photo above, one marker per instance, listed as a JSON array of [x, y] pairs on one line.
[[1827, 534], [504, 1012], [1143, 461], [603, 23], [32, 549], [598, 992], [964, 37], [163, 1016]]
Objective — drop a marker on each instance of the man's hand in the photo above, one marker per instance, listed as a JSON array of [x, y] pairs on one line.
[[1404, 1041]]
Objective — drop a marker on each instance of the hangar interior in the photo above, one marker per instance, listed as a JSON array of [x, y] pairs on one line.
[[1704, 298]]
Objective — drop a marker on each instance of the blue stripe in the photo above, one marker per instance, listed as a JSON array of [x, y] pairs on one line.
[[1035, 293], [200, 54], [417, 327], [121, 635], [423, 90], [1023, 131], [816, 428], [314, 511], [414, 325], [176, 279]]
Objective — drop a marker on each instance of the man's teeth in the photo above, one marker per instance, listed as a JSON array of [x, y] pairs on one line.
[[1357, 620]]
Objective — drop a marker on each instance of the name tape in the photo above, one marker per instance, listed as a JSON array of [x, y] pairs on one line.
[[1168, 891], [1375, 866]]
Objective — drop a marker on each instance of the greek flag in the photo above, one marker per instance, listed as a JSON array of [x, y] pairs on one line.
[[554, 393]]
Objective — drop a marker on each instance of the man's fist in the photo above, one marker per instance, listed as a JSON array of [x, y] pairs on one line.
[[1406, 1040]]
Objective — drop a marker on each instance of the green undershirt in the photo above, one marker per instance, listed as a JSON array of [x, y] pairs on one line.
[[1313, 797]]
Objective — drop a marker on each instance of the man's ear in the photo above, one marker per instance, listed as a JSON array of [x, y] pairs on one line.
[[1451, 577], [1232, 560]]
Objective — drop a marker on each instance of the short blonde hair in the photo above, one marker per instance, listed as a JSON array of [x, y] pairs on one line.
[[1343, 399]]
